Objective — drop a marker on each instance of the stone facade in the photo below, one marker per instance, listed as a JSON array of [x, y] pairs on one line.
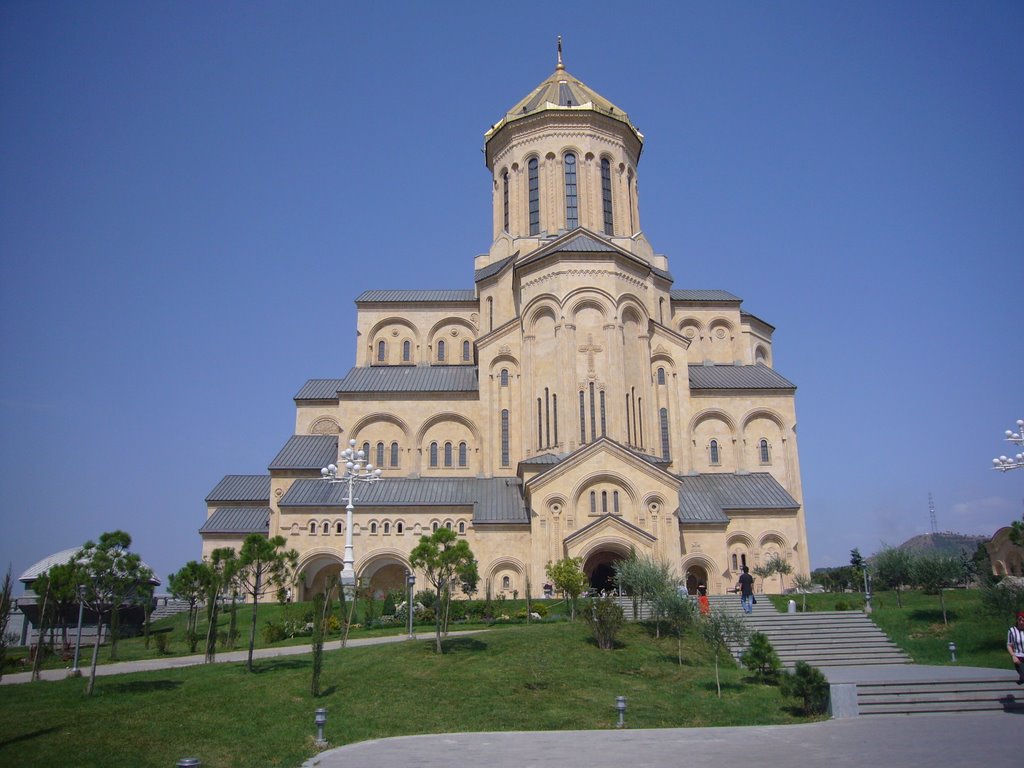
[[572, 403]]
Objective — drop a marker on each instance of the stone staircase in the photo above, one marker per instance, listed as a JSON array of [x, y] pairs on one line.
[[985, 691], [168, 607]]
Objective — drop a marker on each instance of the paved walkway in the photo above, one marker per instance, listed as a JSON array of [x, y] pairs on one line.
[[173, 662]]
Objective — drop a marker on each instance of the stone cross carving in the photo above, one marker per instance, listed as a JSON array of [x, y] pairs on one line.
[[590, 348]]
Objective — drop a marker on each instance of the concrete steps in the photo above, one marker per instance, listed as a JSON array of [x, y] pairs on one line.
[[994, 693]]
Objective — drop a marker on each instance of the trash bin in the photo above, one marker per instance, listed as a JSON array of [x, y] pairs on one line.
[[792, 606]]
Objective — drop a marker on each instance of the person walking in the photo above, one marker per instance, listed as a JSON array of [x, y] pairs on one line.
[[1015, 645], [702, 600], [746, 588]]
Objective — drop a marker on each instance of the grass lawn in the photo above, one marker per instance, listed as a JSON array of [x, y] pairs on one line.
[[547, 676], [918, 628]]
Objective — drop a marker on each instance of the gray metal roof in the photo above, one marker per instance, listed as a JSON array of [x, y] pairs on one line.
[[241, 488], [319, 389], [458, 295], [307, 452], [693, 294], [584, 242], [409, 378], [238, 520], [707, 497], [749, 316], [64, 557], [494, 500], [492, 269], [737, 377]]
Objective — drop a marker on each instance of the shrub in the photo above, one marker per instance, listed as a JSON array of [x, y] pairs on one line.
[[808, 684], [426, 598], [761, 659], [606, 619], [426, 616], [192, 638], [389, 605], [540, 609], [163, 642], [273, 632], [842, 605]]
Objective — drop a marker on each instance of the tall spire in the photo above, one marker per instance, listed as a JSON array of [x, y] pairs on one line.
[[560, 65]]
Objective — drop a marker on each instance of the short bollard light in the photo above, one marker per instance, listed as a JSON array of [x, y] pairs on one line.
[[952, 652], [188, 762], [321, 721], [620, 705]]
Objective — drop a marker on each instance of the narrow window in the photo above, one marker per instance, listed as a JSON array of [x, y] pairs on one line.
[[663, 414], [447, 454], [504, 438], [661, 375], [466, 352], [547, 417], [380, 454], [743, 561], [490, 313], [554, 414], [312, 528], [406, 351], [381, 350], [540, 425], [640, 407], [504, 193], [593, 503], [462, 526], [463, 454], [615, 502], [387, 528], [433, 454], [366, 451], [504, 377], [572, 212], [765, 456], [629, 439], [629, 187], [534, 181], [373, 529], [713, 447], [606, 194], [583, 419], [593, 412], [448, 525], [434, 526], [325, 528], [337, 527], [394, 454], [604, 420], [604, 502], [399, 527], [506, 582], [440, 351], [734, 562]]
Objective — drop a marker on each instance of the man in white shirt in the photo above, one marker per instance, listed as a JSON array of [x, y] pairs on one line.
[[1015, 645]]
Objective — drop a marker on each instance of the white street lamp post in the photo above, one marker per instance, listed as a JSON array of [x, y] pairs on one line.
[[355, 469], [1006, 463]]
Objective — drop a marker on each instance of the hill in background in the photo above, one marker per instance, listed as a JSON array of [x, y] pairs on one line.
[[942, 543]]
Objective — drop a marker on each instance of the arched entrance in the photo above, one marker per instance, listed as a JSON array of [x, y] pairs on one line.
[[695, 576], [388, 578], [600, 569]]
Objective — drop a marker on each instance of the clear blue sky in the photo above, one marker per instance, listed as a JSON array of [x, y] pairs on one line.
[[194, 193]]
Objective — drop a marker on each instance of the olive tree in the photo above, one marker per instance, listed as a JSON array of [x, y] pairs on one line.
[[720, 629], [568, 577], [893, 569], [934, 573], [444, 558]]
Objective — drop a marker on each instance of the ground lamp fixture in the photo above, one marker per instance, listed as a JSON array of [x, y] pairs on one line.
[[355, 469], [952, 652], [410, 580], [321, 720], [188, 762], [1006, 463], [620, 705]]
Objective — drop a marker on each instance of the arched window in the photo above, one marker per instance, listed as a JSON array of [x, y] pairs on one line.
[[504, 438], [466, 352], [713, 450], [604, 502], [440, 350], [504, 377], [615, 502], [766, 457], [504, 194], [583, 418], [661, 375], [629, 189], [593, 502], [572, 211], [434, 526], [325, 529], [604, 421], [593, 413], [406, 351], [606, 194], [554, 415], [337, 527], [534, 181], [312, 527], [463, 454], [448, 525], [663, 417], [380, 454], [506, 582], [366, 451], [387, 528], [462, 526], [381, 351], [373, 529], [447, 454], [394, 454], [433, 454], [490, 312], [399, 527], [540, 425], [734, 563]]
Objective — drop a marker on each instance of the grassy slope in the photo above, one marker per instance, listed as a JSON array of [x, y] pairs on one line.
[[918, 629], [541, 677]]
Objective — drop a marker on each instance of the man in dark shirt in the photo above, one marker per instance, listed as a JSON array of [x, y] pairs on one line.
[[746, 588]]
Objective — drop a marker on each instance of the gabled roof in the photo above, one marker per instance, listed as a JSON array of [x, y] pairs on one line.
[[64, 557], [494, 500], [706, 498], [617, 520], [410, 378], [238, 520], [241, 488], [703, 296], [492, 269], [307, 452], [583, 240], [319, 389], [758, 376], [550, 460], [455, 295]]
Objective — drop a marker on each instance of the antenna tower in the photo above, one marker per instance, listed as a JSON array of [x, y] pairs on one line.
[[931, 512]]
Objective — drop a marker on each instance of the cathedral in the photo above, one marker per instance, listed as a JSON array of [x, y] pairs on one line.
[[571, 403]]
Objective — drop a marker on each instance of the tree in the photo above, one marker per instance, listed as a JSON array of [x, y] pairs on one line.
[[720, 629], [443, 557], [220, 574], [894, 568], [856, 559], [263, 565], [6, 606], [774, 564], [808, 684], [568, 577], [1016, 535], [761, 659], [934, 573], [606, 619], [190, 583], [58, 589], [110, 572], [803, 584], [1004, 598], [645, 579], [679, 614]]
